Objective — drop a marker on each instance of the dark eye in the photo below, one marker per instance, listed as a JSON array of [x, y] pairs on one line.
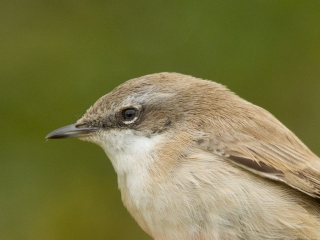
[[129, 115]]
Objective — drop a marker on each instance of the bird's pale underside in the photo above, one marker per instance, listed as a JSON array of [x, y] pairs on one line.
[[196, 162]]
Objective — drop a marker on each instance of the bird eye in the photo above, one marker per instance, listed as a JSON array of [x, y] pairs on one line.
[[129, 115]]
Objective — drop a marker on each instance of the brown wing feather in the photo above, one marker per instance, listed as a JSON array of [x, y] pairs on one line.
[[257, 141], [277, 163]]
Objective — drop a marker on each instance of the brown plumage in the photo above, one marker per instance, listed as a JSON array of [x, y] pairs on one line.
[[198, 162]]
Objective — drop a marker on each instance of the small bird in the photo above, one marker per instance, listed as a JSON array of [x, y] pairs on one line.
[[195, 161]]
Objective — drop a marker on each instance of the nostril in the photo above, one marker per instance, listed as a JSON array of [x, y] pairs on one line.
[[82, 125]]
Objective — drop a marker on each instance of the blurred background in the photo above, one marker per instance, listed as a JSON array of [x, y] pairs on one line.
[[58, 57]]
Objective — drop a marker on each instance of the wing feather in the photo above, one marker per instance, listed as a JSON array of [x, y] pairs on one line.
[[277, 163], [257, 141]]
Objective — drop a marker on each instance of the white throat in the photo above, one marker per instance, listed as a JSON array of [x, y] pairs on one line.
[[131, 155]]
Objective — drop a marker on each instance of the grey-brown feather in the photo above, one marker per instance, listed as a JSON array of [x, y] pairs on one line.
[[250, 133], [249, 142]]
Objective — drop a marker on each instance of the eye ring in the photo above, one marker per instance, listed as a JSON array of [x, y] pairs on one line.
[[129, 115]]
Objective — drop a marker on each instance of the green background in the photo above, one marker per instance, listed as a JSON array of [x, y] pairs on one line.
[[58, 57]]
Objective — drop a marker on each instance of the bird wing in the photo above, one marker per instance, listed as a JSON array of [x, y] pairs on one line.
[[258, 142], [279, 162]]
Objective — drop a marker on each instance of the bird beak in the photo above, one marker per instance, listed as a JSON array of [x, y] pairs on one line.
[[73, 130]]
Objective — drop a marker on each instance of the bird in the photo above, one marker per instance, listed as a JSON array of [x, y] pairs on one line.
[[195, 161]]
